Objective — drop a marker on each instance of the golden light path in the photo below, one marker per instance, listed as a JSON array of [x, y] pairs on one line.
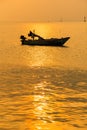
[[38, 118]]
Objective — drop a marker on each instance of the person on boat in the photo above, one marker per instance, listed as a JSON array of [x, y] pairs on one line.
[[33, 35]]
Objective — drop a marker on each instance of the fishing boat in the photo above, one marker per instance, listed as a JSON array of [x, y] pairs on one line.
[[41, 41]]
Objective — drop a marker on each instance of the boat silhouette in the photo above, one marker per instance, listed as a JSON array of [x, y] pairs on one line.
[[41, 41]]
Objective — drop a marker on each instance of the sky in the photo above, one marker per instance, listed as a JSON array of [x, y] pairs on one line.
[[43, 10]]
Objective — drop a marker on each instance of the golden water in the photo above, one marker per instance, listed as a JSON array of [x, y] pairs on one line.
[[43, 88]]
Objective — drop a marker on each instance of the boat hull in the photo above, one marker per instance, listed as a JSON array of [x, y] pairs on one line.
[[46, 42]]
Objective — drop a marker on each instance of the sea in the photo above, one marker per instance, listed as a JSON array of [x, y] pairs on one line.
[[43, 87]]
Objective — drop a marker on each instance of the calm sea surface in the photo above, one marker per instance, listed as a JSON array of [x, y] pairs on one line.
[[43, 88]]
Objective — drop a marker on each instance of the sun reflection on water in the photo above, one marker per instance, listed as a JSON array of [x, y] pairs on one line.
[[36, 92], [42, 117]]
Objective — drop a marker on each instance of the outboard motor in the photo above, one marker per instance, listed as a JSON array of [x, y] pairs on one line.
[[23, 38]]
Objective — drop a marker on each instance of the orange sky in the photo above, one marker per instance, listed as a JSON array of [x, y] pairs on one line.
[[42, 10]]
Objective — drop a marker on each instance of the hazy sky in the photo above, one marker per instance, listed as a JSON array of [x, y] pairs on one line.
[[42, 10]]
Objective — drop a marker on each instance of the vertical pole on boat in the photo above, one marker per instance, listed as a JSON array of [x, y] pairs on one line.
[[34, 33]]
